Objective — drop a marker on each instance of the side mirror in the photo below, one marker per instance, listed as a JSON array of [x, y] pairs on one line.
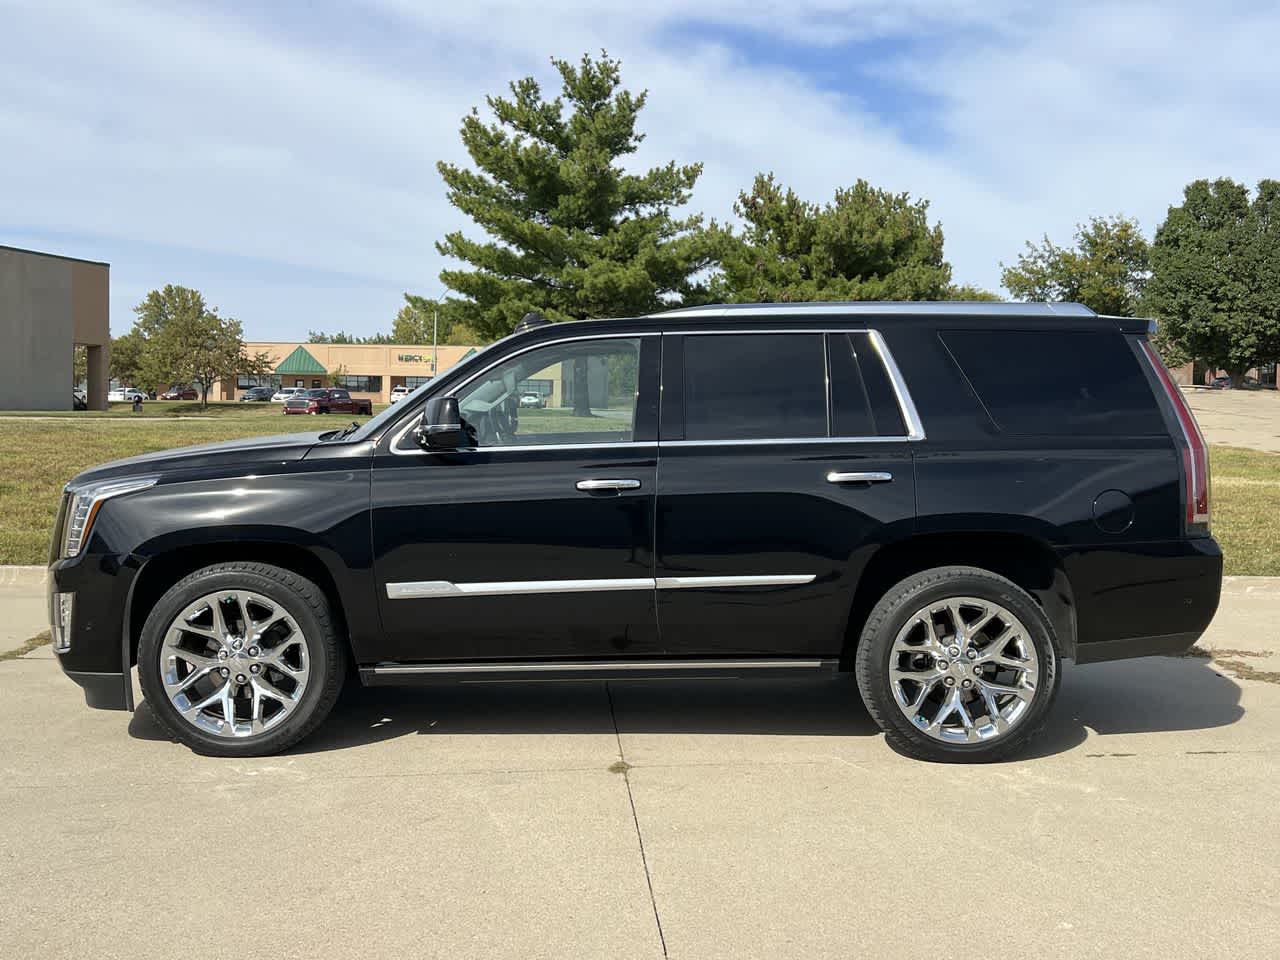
[[441, 427]]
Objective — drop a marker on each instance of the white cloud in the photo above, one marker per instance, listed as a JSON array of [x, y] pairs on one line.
[[311, 151]]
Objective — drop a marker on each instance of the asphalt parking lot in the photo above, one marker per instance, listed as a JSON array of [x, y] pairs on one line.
[[715, 819]]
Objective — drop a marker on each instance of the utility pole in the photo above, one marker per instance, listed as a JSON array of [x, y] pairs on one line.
[[435, 331]]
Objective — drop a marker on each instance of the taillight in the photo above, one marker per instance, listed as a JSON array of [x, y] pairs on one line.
[[1195, 455]]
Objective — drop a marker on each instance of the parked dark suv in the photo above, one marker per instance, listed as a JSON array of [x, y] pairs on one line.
[[947, 499]]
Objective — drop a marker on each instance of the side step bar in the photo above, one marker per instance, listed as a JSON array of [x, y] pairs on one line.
[[383, 674]]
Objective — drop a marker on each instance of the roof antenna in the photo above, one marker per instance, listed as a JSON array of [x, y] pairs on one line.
[[531, 320]]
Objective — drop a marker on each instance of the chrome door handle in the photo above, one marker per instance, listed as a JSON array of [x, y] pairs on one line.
[[589, 485], [836, 476]]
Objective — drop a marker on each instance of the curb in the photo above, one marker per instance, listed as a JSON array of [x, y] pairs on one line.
[[22, 576]]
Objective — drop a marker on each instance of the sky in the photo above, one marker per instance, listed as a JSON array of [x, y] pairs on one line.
[[281, 157]]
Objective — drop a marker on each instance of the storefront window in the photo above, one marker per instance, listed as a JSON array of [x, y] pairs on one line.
[[359, 383]]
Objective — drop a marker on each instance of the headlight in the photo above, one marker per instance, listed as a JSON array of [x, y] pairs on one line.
[[86, 500]]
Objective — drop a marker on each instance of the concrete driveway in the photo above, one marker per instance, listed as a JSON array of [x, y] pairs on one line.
[[755, 820]]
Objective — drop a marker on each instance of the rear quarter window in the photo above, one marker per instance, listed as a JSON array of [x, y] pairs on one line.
[[1057, 382]]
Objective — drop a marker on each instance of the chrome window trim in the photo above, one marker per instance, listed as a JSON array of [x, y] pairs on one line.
[[910, 416], [781, 441], [417, 415], [907, 407], [431, 589]]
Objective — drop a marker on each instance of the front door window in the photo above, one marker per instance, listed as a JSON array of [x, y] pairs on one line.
[[586, 393]]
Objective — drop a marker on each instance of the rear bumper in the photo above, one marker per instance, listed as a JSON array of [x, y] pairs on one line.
[[1145, 599]]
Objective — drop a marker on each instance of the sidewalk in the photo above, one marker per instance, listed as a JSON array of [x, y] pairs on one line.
[[24, 611]]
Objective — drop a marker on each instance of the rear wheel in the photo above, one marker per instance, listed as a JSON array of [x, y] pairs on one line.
[[241, 659], [957, 664]]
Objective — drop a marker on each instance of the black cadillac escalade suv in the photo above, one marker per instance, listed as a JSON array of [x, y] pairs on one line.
[[948, 499]]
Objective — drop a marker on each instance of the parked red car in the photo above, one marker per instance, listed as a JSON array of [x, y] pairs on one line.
[[180, 393], [324, 400]]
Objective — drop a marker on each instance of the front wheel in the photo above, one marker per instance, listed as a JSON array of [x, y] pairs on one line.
[[241, 659], [957, 664]]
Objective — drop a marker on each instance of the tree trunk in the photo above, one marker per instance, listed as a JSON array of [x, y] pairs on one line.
[[1237, 378], [204, 396], [581, 388]]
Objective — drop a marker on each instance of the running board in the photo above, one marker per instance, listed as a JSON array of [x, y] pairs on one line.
[[383, 674]]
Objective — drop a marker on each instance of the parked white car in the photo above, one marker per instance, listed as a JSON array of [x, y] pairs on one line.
[[399, 393], [284, 393], [125, 395]]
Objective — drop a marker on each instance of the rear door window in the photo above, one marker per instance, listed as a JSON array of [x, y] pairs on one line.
[[1057, 382], [754, 386]]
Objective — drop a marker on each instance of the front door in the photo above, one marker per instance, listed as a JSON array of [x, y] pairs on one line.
[[537, 540], [784, 463]]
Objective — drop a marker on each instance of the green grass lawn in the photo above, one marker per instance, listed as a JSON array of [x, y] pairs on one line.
[[216, 410], [1246, 509], [40, 457]]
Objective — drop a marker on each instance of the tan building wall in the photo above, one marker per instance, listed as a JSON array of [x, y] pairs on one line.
[[393, 363], [49, 305]]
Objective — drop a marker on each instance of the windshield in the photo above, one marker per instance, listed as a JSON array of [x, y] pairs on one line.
[[316, 393]]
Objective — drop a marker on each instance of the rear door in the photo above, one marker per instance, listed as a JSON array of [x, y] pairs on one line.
[[785, 459]]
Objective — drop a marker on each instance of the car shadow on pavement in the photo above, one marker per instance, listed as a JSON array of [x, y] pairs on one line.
[[1135, 696]]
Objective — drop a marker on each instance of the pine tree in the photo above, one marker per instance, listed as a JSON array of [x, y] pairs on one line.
[[572, 234], [867, 244]]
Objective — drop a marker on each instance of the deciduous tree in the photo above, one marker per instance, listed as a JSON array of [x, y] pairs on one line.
[[1106, 268], [186, 341], [1215, 284]]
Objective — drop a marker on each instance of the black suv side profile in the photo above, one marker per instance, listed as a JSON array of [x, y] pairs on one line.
[[947, 499]]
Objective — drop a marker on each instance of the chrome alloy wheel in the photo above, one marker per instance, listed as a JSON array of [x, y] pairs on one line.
[[234, 663], [964, 670]]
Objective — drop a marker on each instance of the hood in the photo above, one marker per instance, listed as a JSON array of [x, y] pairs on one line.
[[229, 453]]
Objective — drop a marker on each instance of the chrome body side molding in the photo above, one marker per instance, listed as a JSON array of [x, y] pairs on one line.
[[422, 589]]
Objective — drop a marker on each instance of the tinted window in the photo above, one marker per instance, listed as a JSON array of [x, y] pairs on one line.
[[863, 403], [754, 386], [1057, 382]]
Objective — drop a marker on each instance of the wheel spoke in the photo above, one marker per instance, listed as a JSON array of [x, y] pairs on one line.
[[195, 659], [1022, 693], [219, 621], [993, 708], [208, 701], [948, 707], [269, 689], [200, 631], [228, 705], [185, 683]]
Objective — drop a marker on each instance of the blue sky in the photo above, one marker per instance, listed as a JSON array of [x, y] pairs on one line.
[[281, 157]]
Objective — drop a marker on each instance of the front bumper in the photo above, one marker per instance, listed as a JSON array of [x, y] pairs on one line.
[[99, 656]]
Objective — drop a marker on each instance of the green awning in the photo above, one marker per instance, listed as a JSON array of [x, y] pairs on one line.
[[300, 361]]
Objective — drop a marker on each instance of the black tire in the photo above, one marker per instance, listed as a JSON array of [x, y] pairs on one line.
[[895, 610], [303, 600]]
